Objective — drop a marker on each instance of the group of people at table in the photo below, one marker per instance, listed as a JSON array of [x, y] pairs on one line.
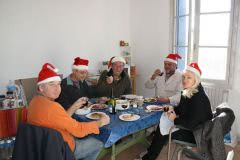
[[58, 99]]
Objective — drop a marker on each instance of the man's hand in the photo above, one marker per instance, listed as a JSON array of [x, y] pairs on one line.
[[156, 73], [109, 79], [171, 114], [79, 103], [163, 100], [104, 120]]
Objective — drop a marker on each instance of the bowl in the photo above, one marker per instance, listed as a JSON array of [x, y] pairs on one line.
[[122, 104], [83, 111]]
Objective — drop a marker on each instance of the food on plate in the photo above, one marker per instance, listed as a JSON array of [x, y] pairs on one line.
[[98, 106], [96, 115], [156, 108], [128, 116], [150, 100]]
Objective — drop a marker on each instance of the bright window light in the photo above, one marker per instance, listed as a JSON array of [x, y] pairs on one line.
[[215, 5], [213, 63], [214, 29]]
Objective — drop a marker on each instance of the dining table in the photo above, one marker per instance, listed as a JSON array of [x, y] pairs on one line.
[[114, 134]]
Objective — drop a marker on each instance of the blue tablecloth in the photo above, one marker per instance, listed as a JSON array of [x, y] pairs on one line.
[[118, 129]]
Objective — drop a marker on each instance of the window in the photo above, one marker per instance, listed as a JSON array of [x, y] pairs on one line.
[[203, 34]]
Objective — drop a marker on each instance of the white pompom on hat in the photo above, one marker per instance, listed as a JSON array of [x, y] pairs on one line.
[[173, 57], [47, 74], [80, 64], [193, 67]]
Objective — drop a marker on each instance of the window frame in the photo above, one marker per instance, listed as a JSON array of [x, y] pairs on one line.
[[193, 38]]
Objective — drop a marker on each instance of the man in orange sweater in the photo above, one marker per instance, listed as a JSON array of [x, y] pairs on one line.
[[44, 111]]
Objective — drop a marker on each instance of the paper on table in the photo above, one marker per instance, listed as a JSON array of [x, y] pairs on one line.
[[166, 124]]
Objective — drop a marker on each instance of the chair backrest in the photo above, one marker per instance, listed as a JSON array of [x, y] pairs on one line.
[[29, 86], [40, 143], [209, 136]]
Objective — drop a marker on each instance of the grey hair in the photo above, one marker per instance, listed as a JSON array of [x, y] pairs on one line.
[[43, 85], [189, 92]]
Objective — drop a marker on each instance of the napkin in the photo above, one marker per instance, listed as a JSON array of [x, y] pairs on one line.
[[166, 124]]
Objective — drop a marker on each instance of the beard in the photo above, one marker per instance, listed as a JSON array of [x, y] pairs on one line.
[[169, 72]]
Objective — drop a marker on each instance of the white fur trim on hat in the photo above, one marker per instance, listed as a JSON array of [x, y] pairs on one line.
[[80, 67], [55, 78], [118, 59], [170, 60], [193, 70]]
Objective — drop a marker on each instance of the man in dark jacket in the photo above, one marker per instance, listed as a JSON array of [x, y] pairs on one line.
[[75, 86], [116, 78]]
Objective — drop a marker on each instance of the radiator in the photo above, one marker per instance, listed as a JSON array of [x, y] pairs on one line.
[[216, 95]]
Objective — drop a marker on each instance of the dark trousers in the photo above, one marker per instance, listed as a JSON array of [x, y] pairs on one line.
[[159, 141]]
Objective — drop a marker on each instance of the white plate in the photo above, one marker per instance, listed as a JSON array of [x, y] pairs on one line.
[[90, 115], [83, 111], [132, 117], [132, 96], [154, 108]]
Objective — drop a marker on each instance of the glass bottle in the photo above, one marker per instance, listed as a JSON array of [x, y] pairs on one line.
[[112, 103]]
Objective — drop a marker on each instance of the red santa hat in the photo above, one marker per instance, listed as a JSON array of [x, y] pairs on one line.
[[173, 57], [80, 64], [193, 67], [116, 59], [48, 74], [110, 62]]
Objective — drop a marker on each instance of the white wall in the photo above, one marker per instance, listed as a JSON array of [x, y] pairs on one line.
[[33, 32], [150, 22]]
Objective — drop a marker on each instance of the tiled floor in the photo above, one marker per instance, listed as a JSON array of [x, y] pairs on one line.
[[133, 152]]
